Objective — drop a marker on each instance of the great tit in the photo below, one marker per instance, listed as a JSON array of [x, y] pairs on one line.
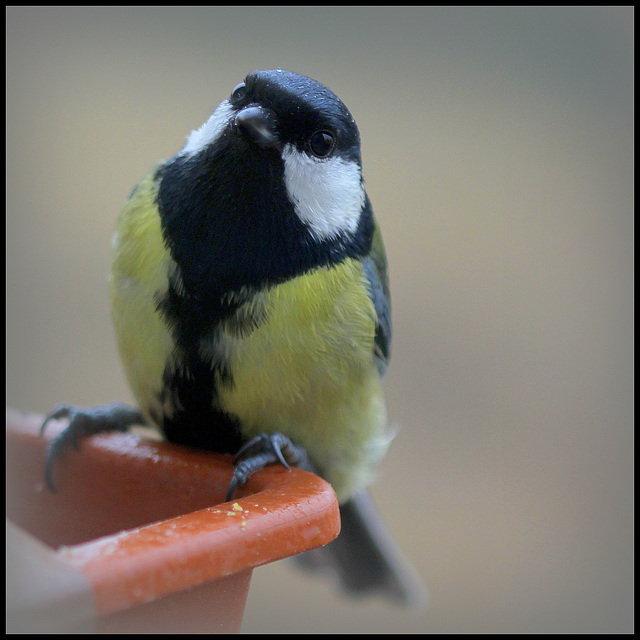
[[250, 302]]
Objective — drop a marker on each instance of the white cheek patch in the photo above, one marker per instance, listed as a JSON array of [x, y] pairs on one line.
[[327, 194], [211, 130]]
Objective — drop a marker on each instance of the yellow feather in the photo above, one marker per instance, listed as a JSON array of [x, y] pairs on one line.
[[308, 372], [139, 272]]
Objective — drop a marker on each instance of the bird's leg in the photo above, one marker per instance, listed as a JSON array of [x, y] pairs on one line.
[[263, 450], [85, 422]]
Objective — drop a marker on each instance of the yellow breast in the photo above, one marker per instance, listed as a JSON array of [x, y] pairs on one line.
[[308, 372]]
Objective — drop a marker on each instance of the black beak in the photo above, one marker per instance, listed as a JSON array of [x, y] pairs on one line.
[[259, 125]]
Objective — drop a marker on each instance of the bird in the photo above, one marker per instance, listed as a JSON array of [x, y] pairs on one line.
[[250, 301]]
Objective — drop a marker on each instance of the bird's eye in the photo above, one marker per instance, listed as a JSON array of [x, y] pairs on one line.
[[239, 92], [321, 143]]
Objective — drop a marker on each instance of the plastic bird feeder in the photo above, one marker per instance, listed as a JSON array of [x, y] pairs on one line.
[[137, 537]]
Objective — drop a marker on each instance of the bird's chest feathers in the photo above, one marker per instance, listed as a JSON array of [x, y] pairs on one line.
[[298, 342]]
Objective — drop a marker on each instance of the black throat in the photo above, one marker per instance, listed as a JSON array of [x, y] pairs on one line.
[[230, 227]]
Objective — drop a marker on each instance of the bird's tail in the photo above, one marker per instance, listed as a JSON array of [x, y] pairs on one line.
[[365, 559]]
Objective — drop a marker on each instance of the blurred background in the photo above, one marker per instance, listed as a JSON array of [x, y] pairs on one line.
[[498, 154]]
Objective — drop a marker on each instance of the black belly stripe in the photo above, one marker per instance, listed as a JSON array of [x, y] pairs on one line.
[[190, 386]]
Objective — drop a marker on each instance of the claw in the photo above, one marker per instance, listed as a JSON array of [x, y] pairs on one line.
[[84, 422], [261, 451], [61, 411], [267, 443]]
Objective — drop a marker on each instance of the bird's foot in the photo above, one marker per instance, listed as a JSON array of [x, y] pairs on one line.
[[263, 450], [82, 423]]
